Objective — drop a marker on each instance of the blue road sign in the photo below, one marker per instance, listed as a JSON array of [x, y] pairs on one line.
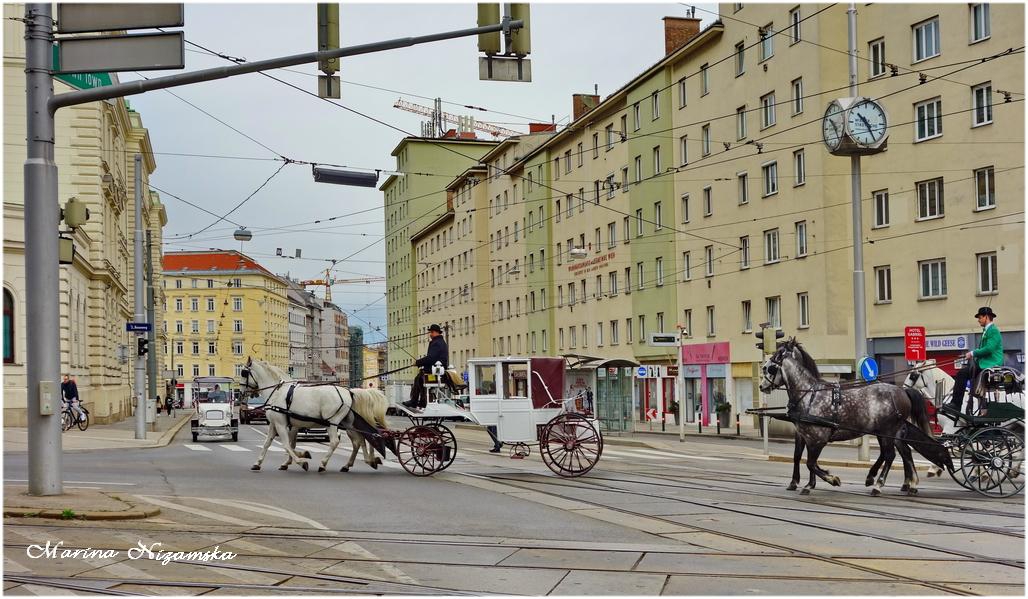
[[641, 372], [868, 369], [138, 327]]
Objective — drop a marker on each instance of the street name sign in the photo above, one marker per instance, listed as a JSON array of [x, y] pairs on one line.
[[663, 340], [915, 349], [138, 327], [88, 17]]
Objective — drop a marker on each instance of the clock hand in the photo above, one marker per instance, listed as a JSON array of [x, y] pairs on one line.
[[866, 124]]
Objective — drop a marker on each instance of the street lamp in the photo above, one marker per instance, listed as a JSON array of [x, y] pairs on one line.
[[341, 177], [242, 234]]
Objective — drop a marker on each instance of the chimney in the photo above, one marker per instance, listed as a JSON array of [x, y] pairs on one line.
[[678, 31], [583, 103], [541, 127]]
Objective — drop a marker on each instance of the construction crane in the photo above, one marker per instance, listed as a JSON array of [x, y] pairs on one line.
[[327, 281], [439, 117]]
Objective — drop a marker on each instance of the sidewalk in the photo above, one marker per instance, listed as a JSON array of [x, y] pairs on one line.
[[106, 436]]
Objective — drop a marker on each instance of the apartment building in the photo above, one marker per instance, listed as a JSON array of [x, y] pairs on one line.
[[222, 308], [335, 344]]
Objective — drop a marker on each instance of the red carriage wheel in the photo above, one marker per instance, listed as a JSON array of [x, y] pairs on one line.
[[570, 445], [422, 450]]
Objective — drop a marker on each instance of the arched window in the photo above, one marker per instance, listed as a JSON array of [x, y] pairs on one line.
[[8, 327]]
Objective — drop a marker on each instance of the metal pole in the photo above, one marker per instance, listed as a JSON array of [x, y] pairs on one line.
[[680, 389], [140, 316], [42, 274], [859, 324], [151, 358]]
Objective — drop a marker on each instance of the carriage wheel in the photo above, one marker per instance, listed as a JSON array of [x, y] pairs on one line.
[[421, 450], [992, 462], [449, 443], [570, 445], [955, 443]]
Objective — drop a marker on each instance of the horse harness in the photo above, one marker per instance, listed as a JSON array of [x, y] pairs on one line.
[[289, 414]]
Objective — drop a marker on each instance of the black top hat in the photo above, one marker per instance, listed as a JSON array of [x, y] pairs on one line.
[[986, 311], [435, 328]]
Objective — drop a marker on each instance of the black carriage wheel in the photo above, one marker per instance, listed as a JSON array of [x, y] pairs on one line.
[[955, 444], [570, 445], [992, 462], [420, 450], [449, 449]]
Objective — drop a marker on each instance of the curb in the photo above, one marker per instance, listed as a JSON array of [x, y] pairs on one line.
[[169, 434], [27, 512]]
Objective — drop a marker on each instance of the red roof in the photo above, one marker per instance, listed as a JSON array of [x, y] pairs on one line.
[[227, 260]]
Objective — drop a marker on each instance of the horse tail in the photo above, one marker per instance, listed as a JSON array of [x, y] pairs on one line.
[[371, 404], [918, 410]]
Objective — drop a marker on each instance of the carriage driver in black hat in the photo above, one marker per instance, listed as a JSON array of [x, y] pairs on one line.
[[988, 355], [437, 352]]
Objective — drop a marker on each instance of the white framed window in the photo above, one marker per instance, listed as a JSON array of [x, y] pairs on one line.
[[614, 332], [705, 138], [740, 58], [769, 174], [681, 93], [883, 284], [211, 348], [981, 98], [685, 208], [711, 328], [981, 28], [599, 334], [929, 199], [988, 281], [210, 326], [743, 181], [740, 122], [640, 277], [210, 304], [656, 161], [612, 235], [178, 302], [237, 326], [195, 328], [771, 248], [178, 326], [684, 149], [639, 223], [767, 110], [210, 370], [196, 368], [797, 96], [642, 328], [178, 347], [610, 186], [237, 304], [581, 155], [794, 25], [801, 239], [178, 285], [876, 52], [687, 322], [799, 168], [609, 130], [773, 305], [985, 188], [658, 216], [803, 306], [708, 261], [596, 154], [744, 252], [881, 208], [708, 202], [636, 116], [932, 278], [767, 41], [660, 272], [196, 348], [747, 316], [655, 105], [926, 39], [928, 119], [704, 80], [686, 266], [624, 126], [628, 280], [612, 283], [628, 330], [556, 175]]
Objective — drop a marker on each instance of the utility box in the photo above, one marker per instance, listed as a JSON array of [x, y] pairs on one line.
[[49, 398]]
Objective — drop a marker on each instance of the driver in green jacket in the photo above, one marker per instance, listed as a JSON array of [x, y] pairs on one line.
[[988, 355]]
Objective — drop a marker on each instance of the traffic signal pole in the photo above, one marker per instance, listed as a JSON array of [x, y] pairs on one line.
[[42, 274], [140, 382]]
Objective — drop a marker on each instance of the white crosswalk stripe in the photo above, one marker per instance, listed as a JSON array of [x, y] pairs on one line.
[[232, 447], [196, 447], [629, 454], [679, 455]]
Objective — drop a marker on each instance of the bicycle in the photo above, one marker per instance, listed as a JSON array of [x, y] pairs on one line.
[[69, 420]]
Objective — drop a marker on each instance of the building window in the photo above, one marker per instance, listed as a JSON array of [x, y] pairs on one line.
[[210, 326], [686, 266], [926, 39], [237, 348], [685, 208], [771, 253], [747, 317], [705, 138], [196, 348], [744, 252], [980, 26], [744, 187], [769, 173], [640, 276], [614, 332], [708, 201], [660, 322], [642, 328], [883, 284], [628, 330], [767, 110], [178, 283], [599, 334], [773, 306], [985, 188], [211, 348], [178, 326], [624, 125], [660, 271], [797, 96], [767, 41], [681, 93], [596, 154], [684, 148], [711, 329], [581, 156], [237, 326], [740, 58], [612, 235], [8, 327], [195, 326], [876, 50], [210, 304], [740, 122], [708, 261], [794, 25], [981, 97], [655, 104], [658, 216], [612, 283], [656, 161], [609, 130], [704, 82], [179, 347], [929, 199], [803, 303], [574, 337], [687, 322], [799, 168], [237, 304], [210, 370], [178, 304], [987, 274], [628, 280], [933, 278], [928, 119], [881, 207], [567, 169], [196, 369], [639, 223], [180, 370], [801, 239]]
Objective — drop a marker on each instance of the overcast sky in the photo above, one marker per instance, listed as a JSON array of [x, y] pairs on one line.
[[574, 47]]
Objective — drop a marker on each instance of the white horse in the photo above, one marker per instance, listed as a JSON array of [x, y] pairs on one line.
[[932, 382], [307, 406], [371, 404]]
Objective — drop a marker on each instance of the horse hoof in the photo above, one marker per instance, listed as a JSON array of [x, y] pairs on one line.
[[835, 481], [374, 465], [305, 466], [805, 491], [876, 492], [791, 487], [869, 481], [378, 461], [306, 454], [321, 468], [283, 467], [255, 467], [911, 491], [344, 469], [904, 488]]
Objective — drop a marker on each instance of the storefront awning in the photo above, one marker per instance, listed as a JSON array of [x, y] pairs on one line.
[[584, 361]]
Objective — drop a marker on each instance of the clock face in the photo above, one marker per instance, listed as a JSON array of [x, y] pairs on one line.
[[832, 126], [866, 123]]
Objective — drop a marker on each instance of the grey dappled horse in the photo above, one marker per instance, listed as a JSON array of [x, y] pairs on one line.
[[877, 409]]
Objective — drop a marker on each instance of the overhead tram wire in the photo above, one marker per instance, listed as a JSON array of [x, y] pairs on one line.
[[245, 200]]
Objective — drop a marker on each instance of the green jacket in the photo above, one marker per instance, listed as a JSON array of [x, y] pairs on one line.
[[990, 349]]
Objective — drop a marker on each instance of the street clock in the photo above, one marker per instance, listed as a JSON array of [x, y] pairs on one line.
[[855, 127]]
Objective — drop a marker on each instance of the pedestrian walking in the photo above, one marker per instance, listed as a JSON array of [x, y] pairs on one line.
[[169, 405], [157, 400]]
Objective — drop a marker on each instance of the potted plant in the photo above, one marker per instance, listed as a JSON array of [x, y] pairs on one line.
[[724, 410]]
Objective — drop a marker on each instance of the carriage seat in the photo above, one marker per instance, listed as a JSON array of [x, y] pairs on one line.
[[454, 381], [1001, 378]]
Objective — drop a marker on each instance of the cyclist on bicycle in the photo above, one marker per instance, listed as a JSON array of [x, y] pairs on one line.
[[70, 395]]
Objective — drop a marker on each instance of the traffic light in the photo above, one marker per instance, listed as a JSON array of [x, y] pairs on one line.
[[142, 344], [488, 14], [768, 339], [520, 39]]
